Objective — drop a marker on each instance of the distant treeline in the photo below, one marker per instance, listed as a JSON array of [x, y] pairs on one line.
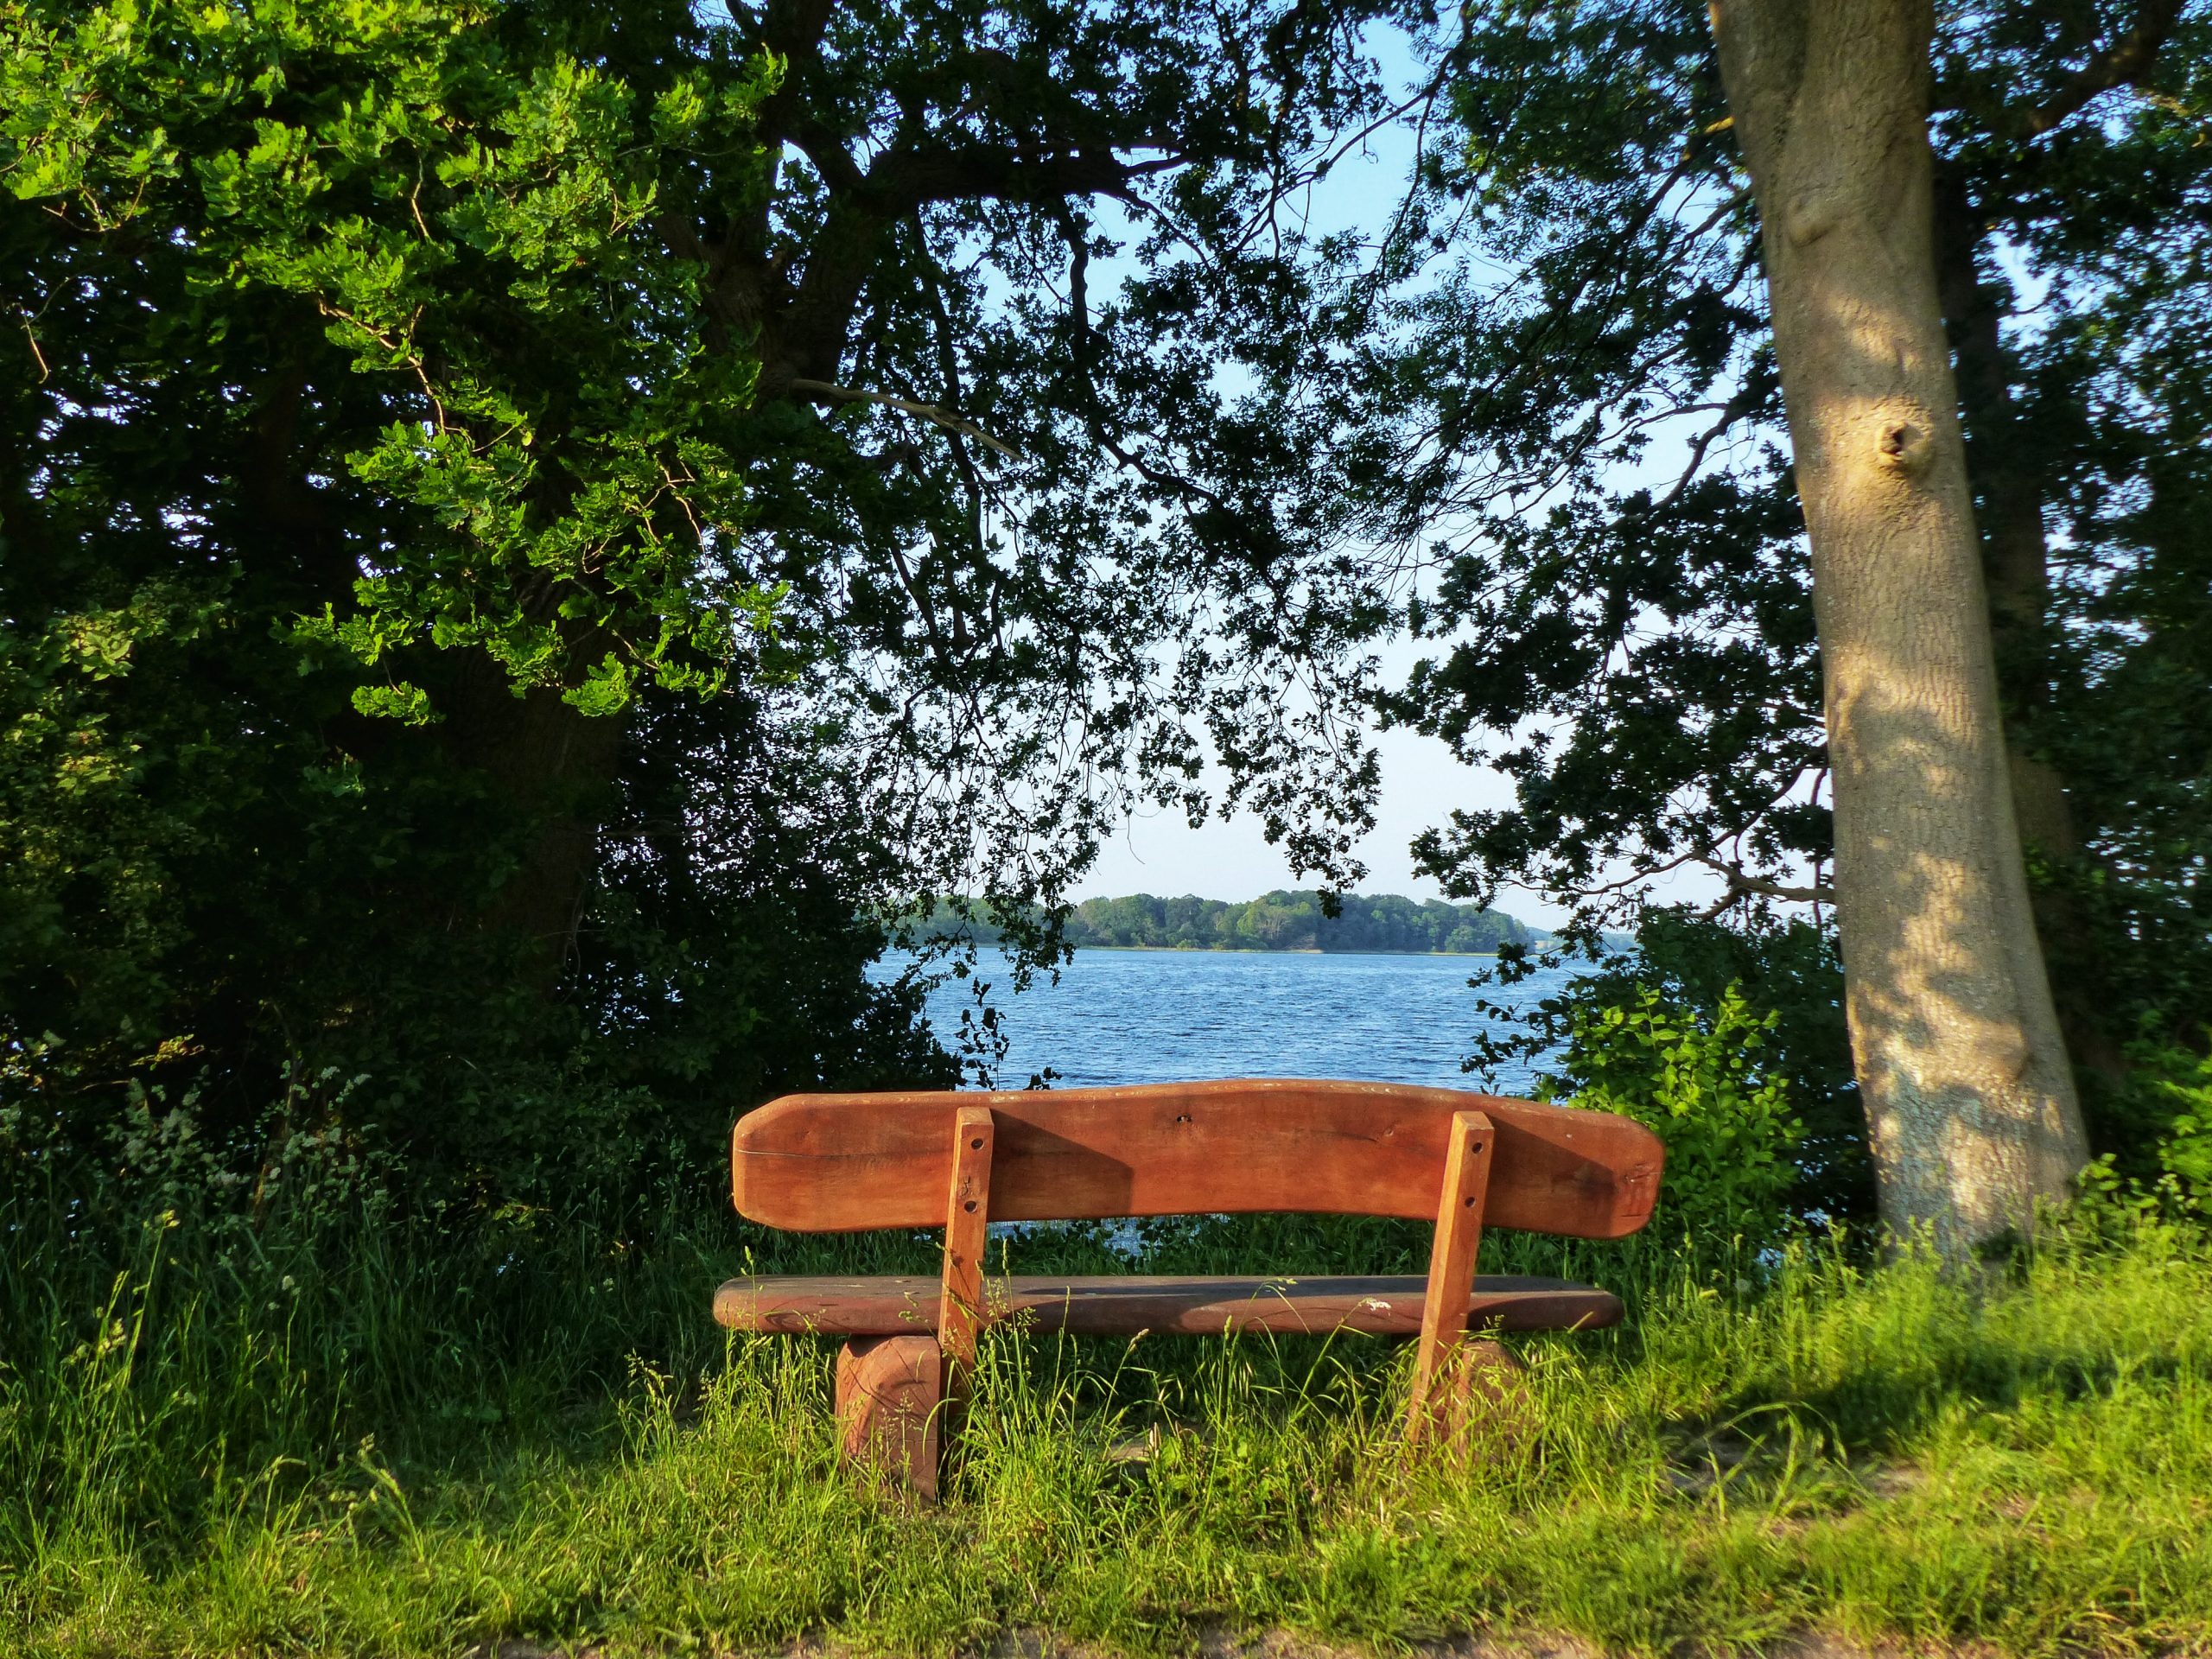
[[1282, 921]]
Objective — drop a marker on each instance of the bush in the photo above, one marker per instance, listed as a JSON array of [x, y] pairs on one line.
[[2170, 1090], [1697, 1076]]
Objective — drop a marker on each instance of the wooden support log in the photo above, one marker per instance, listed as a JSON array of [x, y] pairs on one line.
[[890, 1392], [1484, 1406]]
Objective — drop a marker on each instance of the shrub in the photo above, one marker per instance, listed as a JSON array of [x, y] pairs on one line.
[[1697, 1076], [2170, 1091]]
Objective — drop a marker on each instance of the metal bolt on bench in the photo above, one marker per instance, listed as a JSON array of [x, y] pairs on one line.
[[857, 1163]]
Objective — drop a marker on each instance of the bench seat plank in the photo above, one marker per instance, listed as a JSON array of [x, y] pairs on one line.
[[1121, 1304]]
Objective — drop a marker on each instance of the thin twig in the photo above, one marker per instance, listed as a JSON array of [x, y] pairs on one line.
[[45, 373]]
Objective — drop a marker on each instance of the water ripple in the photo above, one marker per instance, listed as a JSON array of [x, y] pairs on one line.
[[1169, 1016]]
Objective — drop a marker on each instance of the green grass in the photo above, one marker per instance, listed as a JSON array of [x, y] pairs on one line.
[[355, 1436]]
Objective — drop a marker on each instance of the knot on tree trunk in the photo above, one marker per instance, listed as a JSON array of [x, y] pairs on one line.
[[1903, 444]]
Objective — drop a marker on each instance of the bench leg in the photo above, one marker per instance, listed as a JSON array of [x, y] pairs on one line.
[[1484, 1404], [890, 1390]]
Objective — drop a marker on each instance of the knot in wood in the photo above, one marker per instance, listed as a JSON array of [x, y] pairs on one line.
[[1812, 218], [1903, 444]]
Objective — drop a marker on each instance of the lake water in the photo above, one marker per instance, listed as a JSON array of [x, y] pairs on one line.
[[1173, 1016]]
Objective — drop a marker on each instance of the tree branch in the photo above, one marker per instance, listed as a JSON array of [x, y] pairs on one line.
[[1741, 886], [2124, 63], [905, 179], [944, 418]]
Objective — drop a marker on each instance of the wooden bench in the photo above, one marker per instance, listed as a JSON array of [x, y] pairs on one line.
[[851, 1163]]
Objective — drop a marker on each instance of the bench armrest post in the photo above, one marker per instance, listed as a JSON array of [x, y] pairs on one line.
[[967, 1216], [1450, 1260]]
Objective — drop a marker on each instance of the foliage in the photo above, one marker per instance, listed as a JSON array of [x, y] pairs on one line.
[[1620, 610], [526, 529], [352, 387], [1785, 976], [1696, 1078], [1594, 448], [2169, 1088], [335, 1431], [1293, 921], [295, 161]]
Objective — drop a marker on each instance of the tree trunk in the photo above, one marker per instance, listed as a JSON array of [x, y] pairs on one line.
[[554, 768], [2002, 469], [1970, 1104]]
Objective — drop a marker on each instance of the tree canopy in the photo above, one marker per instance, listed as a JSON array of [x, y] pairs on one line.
[[532, 535], [1595, 448], [527, 525]]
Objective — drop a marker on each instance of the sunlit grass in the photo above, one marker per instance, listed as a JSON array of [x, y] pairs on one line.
[[387, 1440]]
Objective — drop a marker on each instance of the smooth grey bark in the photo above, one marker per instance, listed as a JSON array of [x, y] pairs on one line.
[[1970, 1103]]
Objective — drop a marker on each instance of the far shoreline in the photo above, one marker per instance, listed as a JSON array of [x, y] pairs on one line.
[[1259, 950], [1270, 951], [1350, 924]]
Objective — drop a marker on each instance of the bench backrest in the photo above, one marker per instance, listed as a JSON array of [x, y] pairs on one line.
[[849, 1163]]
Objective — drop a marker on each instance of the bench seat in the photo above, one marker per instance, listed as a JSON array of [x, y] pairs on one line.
[[1122, 1305]]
